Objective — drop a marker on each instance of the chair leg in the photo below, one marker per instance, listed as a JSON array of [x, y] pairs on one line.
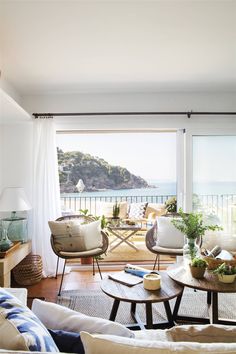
[[155, 262], [59, 293], [158, 263], [93, 267], [57, 267], [98, 268]]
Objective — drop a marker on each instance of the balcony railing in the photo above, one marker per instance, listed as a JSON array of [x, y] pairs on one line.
[[221, 207], [76, 203]]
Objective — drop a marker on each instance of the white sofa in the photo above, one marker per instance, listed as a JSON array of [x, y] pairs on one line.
[[191, 339]]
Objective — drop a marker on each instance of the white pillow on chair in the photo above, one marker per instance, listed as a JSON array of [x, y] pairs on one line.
[[167, 234]]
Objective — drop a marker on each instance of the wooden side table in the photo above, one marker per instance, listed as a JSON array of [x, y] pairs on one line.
[[210, 284], [137, 295], [10, 261]]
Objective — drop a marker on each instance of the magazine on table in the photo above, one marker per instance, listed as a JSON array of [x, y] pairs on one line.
[[130, 276]]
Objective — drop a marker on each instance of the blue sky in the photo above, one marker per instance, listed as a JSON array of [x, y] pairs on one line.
[[149, 155]]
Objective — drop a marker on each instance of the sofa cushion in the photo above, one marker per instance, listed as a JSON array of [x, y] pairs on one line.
[[167, 234], [137, 210], [59, 317], [68, 342], [20, 329], [107, 344], [106, 209], [202, 334], [72, 236], [154, 210]]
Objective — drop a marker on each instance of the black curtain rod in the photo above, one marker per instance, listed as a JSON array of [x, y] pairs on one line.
[[189, 114]]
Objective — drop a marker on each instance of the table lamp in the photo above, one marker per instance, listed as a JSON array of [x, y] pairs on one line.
[[14, 228]]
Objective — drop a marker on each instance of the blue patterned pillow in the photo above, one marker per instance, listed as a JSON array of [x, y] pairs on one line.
[[20, 329]]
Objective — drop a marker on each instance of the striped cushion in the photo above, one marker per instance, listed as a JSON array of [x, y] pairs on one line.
[[20, 329]]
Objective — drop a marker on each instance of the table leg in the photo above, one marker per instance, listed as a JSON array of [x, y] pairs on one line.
[[214, 308], [177, 305], [114, 310], [149, 320], [133, 307], [169, 313], [209, 297]]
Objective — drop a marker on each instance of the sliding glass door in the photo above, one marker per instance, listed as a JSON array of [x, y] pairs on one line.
[[214, 180]]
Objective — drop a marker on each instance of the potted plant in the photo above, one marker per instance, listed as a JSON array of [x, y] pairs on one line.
[[226, 273], [193, 227], [171, 205], [197, 267], [115, 214]]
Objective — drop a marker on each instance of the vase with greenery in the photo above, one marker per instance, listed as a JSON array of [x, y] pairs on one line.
[[197, 267], [193, 227], [226, 273]]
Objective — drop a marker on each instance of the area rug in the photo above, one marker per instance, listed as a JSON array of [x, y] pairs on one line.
[[96, 303]]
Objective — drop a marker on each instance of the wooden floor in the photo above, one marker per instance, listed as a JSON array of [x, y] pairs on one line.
[[75, 280]]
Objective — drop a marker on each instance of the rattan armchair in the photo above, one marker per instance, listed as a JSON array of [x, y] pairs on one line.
[[94, 253], [151, 244]]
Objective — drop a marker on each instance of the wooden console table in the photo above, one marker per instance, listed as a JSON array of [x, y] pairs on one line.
[[10, 261]]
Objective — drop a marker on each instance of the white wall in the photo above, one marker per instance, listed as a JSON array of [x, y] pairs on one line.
[[169, 101]]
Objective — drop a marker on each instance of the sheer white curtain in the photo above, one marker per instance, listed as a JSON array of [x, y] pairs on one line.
[[46, 194]]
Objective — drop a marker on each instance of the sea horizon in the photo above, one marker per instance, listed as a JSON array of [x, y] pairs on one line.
[[161, 189]]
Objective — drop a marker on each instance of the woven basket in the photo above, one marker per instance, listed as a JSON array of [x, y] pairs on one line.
[[29, 271], [213, 263]]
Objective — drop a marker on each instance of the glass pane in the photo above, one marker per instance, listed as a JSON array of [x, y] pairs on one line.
[[132, 167], [214, 182]]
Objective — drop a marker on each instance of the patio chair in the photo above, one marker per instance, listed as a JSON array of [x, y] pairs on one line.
[[93, 252], [172, 245]]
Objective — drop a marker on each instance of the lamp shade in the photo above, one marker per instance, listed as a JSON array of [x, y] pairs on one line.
[[14, 199]]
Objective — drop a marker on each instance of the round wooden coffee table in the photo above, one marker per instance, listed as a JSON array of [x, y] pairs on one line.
[[210, 283], [138, 295]]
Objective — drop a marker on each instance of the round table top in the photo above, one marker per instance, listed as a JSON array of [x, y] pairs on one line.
[[210, 282], [137, 293]]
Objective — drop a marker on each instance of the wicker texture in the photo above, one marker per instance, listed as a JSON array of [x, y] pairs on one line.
[[29, 271], [213, 263]]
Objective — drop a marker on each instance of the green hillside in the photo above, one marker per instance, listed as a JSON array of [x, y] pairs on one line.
[[95, 172]]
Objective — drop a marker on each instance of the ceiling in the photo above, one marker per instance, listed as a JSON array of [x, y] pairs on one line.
[[117, 46]]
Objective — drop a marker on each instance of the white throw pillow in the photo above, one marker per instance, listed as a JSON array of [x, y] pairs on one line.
[[167, 234], [91, 234], [107, 344], [55, 316]]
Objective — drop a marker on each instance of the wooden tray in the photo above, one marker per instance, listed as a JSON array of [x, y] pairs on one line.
[[16, 244]]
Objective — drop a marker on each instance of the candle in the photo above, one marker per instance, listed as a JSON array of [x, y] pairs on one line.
[[152, 281]]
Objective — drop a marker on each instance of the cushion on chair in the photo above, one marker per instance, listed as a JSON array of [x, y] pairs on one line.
[[71, 236], [59, 317], [20, 329], [137, 210], [167, 234]]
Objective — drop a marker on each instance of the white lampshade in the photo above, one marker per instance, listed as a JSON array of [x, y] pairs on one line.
[[14, 199]]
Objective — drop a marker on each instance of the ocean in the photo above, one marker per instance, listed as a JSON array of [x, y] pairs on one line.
[[163, 189]]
